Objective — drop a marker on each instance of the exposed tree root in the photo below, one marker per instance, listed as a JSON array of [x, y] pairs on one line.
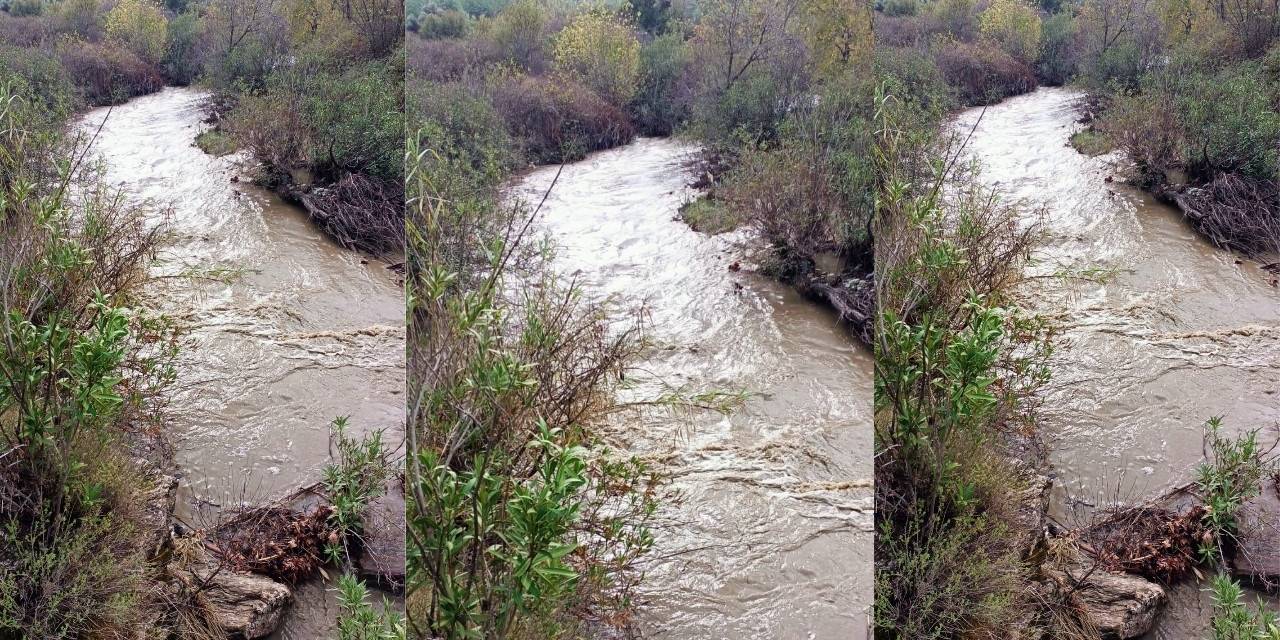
[[358, 211], [277, 542], [1234, 212], [1153, 542]]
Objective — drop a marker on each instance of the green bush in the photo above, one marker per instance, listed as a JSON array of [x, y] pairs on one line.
[[602, 52], [899, 7], [1057, 63], [359, 620], [517, 531], [181, 65], [1229, 123], [462, 128], [26, 8], [80, 376], [658, 108], [520, 32], [37, 76], [444, 24]]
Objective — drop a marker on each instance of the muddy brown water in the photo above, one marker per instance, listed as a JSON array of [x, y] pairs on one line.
[[1177, 332], [773, 537], [285, 330]]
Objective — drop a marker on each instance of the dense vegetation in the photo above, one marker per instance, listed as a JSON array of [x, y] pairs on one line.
[[310, 88], [958, 364], [1188, 89], [520, 525], [773, 89], [82, 375], [84, 370]]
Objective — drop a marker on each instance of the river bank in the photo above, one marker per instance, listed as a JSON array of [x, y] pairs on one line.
[[1161, 330], [776, 501], [283, 331]]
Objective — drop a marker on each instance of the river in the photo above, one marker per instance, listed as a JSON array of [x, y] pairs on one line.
[[284, 330], [1161, 329], [773, 536]]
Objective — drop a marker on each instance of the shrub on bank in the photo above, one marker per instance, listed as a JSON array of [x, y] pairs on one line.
[[450, 60], [980, 73], [41, 78], [107, 73], [81, 379], [23, 32], [602, 52], [1057, 62], [662, 102], [463, 127], [445, 24], [556, 119]]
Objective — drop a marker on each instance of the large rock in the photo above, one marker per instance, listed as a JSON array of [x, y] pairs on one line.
[[1258, 554], [1031, 514], [383, 532], [1117, 605], [158, 500], [245, 605]]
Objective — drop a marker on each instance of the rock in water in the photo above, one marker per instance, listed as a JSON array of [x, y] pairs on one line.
[[1117, 605], [1258, 554], [383, 534], [245, 605]]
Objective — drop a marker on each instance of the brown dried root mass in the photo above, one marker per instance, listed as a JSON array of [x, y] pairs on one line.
[[280, 543], [1152, 542], [1236, 212]]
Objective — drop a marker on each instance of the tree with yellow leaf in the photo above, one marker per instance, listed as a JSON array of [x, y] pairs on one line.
[[141, 26], [839, 34], [1014, 27], [603, 52]]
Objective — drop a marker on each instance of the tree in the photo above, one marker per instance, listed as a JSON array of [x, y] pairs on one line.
[[140, 25], [603, 52], [1013, 26], [737, 35], [839, 33]]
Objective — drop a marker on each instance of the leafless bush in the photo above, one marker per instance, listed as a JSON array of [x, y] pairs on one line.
[[981, 73], [108, 73], [558, 119], [1236, 212], [360, 212]]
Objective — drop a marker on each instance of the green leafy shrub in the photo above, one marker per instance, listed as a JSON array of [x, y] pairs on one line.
[[1014, 27], [141, 27], [520, 32], [181, 63], [358, 473], [443, 24], [26, 8], [518, 531], [658, 107], [81, 375], [359, 620], [1057, 62], [1232, 620], [38, 76]]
